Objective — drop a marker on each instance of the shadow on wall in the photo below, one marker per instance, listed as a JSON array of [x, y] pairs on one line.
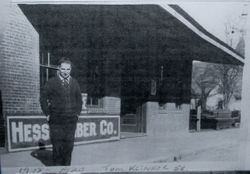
[[43, 155]]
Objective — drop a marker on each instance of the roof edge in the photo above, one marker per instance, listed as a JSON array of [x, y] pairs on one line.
[[187, 20]]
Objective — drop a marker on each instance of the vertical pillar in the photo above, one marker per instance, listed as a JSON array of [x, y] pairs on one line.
[[198, 124], [111, 102], [150, 110]]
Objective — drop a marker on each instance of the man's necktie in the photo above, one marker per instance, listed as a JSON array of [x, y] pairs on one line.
[[66, 83]]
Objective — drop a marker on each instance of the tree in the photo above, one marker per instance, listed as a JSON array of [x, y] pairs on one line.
[[204, 82], [228, 77], [225, 79], [211, 79]]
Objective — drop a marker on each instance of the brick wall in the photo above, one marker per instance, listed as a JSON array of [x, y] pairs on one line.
[[4, 9], [174, 119], [20, 65], [171, 120]]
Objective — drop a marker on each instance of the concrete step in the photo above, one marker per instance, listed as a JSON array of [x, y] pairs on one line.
[[128, 128]]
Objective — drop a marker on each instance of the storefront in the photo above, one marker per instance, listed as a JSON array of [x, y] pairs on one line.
[[133, 60]]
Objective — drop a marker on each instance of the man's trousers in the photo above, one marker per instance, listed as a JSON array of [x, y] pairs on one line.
[[62, 135]]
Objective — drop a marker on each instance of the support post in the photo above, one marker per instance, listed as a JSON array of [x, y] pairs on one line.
[[47, 69], [198, 123]]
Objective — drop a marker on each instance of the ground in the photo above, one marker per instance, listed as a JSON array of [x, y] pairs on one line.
[[211, 145]]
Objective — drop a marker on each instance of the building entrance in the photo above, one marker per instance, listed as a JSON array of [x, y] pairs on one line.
[[133, 118], [133, 93]]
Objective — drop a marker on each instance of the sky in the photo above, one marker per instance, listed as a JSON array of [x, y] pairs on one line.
[[214, 15]]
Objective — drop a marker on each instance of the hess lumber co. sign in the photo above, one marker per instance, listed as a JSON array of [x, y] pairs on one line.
[[28, 132]]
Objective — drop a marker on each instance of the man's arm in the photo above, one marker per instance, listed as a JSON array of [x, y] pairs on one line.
[[44, 99], [78, 98]]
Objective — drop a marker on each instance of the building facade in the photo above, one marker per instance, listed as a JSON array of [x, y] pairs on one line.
[[131, 59]]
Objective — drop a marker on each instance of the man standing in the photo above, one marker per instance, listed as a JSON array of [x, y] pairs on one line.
[[61, 102]]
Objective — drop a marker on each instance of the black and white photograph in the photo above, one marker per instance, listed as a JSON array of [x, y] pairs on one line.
[[122, 86]]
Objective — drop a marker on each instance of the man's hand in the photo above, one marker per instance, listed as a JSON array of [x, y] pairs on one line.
[[48, 117]]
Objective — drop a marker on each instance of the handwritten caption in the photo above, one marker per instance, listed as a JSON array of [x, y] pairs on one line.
[[104, 168]]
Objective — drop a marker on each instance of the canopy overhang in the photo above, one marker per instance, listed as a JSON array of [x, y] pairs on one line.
[[121, 50], [163, 31]]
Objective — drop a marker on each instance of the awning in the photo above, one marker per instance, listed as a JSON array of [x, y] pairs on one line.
[[162, 31]]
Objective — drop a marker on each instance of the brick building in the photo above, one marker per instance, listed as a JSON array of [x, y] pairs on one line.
[[20, 84], [134, 60]]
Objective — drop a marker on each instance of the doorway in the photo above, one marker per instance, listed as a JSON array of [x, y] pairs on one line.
[[132, 116], [133, 94]]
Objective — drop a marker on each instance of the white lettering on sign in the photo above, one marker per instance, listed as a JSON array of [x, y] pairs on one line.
[[45, 132], [93, 129], [28, 132], [32, 131], [17, 131], [79, 130], [36, 132], [86, 129], [106, 128]]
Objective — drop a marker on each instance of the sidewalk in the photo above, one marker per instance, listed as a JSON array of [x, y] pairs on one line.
[[222, 145]]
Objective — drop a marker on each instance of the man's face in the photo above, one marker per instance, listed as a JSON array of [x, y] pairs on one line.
[[64, 70]]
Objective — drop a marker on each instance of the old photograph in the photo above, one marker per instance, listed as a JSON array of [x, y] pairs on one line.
[[120, 86]]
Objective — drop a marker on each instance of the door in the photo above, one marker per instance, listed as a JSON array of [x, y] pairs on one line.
[[132, 116]]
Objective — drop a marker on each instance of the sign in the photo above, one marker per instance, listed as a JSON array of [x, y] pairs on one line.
[[84, 103], [30, 132], [153, 87]]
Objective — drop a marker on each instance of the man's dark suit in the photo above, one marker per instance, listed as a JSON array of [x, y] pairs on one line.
[[63, 103]]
